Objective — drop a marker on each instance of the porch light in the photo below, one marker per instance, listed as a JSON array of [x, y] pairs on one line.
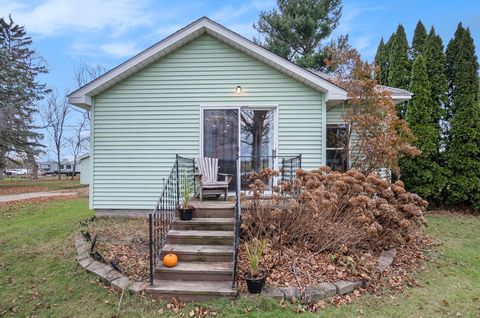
[[238, 89]]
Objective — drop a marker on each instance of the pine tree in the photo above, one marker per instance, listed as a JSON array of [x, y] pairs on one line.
[[419, 40], [463, 143], [381, 62], [19, 91], [296, 29], [435, 61], [399, 65], [422, 174]]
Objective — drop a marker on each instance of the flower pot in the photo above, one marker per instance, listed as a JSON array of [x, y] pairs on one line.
[[185, 213], [255, 285]]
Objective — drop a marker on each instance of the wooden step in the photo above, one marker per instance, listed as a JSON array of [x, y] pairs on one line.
[[200, 253], [200, 237], [191, 290], [212, 212], [212, 224], [192, 271]]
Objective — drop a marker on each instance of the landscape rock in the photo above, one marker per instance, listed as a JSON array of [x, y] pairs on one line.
[[94, 265], [329, 289], [291, 293], [273, 292], [86, 262], [137, 287], [313, 293], [344, 287], [111, 276], [386, 259], [120, 283]]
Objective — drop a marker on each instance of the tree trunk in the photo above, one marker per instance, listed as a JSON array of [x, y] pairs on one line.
[[59, 166], [33, 164]]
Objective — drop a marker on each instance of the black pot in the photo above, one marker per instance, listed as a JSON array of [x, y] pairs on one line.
[[185, 214], [255, 285]]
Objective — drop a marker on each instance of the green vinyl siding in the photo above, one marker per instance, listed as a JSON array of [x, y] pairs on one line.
[[142, 122]]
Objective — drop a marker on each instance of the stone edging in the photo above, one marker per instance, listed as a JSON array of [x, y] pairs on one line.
[[105, 273], [326, 290]]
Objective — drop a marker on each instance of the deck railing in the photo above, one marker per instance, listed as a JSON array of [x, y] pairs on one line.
[[245, 167], [181, 175]]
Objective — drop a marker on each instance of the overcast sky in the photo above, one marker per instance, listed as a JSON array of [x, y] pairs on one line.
[[107, 32]]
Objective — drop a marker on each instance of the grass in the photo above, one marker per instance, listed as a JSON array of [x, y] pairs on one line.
[[39, 277], [24, 185]]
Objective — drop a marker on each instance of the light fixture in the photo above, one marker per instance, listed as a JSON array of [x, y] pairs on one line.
[[238, 89]]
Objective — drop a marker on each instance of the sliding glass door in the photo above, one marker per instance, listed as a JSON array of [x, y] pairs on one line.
[[244, 130], [220, 139]]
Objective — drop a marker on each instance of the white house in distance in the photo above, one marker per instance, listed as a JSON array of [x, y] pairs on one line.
[[189, 94]]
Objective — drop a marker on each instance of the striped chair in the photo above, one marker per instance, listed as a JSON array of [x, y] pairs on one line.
[[207, 178]]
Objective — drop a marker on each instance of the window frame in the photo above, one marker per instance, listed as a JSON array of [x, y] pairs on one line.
[[346, 165]]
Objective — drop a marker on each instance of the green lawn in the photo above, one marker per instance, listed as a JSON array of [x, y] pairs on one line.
[[39, 277], [24, 185]]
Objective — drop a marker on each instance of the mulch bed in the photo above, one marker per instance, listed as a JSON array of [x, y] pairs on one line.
[[124, 240], [299, 267]]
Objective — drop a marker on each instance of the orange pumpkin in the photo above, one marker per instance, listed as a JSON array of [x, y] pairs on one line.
[[170, 260]]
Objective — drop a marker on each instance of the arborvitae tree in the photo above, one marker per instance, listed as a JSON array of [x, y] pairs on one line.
[[381, 63], [463, 145], [19, 91], [435, 61], [296, 29], [422, 174], [419, 40], [399, 65]]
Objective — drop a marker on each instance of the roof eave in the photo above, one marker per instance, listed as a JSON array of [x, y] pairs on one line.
[[82, 96]]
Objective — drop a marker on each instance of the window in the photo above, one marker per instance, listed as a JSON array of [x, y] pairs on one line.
[[337, 147]]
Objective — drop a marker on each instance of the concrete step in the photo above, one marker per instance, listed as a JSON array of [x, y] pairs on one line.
[[191, 290], [200, 253], [212, 224], [200, 237], [194, 271]]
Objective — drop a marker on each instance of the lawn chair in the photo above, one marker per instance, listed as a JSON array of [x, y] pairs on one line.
[[207, 178]]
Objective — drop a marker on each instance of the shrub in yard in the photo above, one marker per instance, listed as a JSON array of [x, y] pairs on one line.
[[326, 210]]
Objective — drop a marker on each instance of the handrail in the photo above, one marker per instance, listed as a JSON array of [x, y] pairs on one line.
[[238, 221], [162, 216]]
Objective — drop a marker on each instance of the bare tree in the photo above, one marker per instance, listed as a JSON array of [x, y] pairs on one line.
[[54, 116], [78, 141]]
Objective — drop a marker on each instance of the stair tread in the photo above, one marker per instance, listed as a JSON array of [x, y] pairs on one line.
[[206, 220], [193, 287], [196, 267], [200, 249], [226, 205], [200, 233]]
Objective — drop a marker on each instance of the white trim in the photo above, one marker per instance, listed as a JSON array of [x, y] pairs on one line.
[[201, 26], [239, 107]]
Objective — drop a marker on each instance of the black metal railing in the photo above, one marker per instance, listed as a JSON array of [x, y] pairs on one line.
[[285, 165], [238, 222], [181, 178]]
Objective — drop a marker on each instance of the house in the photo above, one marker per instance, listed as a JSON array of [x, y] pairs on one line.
[[51, 167], [84, 162], [203, 91], [48, 167]]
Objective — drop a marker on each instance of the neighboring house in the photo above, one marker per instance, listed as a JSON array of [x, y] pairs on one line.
[[197, 93], [47, 167], [51, 167], [85, 168]]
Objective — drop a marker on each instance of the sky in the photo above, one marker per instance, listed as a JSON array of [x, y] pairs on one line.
[[107, 32]]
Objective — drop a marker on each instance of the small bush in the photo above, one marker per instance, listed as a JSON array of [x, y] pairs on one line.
[[326, 210]]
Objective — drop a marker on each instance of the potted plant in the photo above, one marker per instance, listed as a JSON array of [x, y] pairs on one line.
[[185, 210], [255, 278]]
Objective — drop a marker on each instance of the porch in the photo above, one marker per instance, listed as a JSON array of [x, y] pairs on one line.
[[207, 246]]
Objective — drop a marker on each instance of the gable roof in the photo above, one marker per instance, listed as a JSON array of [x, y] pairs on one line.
[[398, 95], [82, 96]]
